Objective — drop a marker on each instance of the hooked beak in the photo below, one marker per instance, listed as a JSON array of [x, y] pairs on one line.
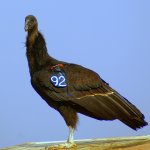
[[26, 27]]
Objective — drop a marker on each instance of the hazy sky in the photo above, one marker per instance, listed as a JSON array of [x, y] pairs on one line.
[[111, 37]]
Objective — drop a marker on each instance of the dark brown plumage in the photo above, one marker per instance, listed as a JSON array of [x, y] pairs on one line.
[[85, 92]]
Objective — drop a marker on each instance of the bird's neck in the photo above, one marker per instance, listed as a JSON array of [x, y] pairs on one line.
[[37, 52], [31, 37]]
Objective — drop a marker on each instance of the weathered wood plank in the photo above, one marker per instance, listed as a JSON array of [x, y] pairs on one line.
[[121, 143]]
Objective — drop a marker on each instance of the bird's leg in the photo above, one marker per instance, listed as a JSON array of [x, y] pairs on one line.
[[71, 135], [71, 118], [69, 144]]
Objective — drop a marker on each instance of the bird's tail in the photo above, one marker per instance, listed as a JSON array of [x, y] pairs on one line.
[[134, 122], [133, 118]]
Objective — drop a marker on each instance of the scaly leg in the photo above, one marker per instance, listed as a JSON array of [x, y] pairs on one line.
[[71, 135], [69, 144]]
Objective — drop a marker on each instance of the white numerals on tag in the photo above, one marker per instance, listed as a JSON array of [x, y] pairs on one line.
[[59, 81]]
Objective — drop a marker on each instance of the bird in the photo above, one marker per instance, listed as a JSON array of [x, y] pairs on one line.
[[71, 88]]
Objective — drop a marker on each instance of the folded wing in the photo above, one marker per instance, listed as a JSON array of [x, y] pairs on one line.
[[91, 96]]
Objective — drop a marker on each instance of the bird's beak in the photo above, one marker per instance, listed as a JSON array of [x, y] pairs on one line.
[[26, 27]]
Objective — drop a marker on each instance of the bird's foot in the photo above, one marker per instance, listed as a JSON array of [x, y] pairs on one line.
[[67, 145]]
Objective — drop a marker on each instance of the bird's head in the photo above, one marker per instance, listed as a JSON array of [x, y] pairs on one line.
[[30, 23]]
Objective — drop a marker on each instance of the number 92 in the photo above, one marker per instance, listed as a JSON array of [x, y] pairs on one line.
[[59, 81]]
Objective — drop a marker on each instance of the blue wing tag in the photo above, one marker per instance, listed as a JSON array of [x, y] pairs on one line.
[[58, 77]]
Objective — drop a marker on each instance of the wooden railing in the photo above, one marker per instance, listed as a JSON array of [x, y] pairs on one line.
[[119, 143]]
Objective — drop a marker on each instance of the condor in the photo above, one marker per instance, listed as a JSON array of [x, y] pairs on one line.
[[71, 88]]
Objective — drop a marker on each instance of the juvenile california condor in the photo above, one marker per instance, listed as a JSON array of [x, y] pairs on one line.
[[71, 88]]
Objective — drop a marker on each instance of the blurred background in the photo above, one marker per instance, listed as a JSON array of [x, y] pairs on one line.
[[109, 37]]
